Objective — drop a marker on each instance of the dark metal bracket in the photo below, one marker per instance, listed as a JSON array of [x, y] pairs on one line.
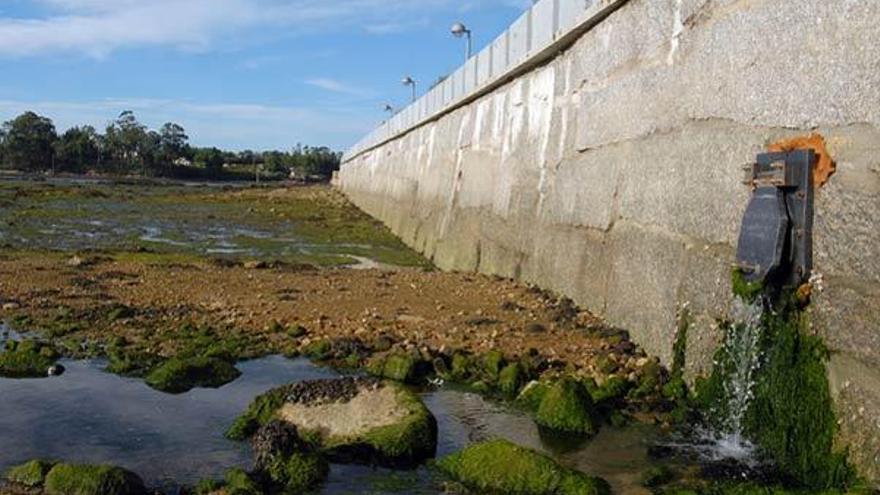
[[776, 236]]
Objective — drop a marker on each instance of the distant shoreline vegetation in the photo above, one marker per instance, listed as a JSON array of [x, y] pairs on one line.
[[30, 143]]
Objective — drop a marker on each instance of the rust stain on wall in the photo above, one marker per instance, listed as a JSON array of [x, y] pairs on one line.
[[816, 142]]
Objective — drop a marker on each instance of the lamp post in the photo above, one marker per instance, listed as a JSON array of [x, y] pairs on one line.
[[458, 30], [409, 81]]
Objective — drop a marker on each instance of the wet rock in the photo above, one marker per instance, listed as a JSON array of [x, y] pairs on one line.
[[656, 476], [274, 439], [284, 462], [511, 379], [352, 420], [567, 407], [182, 374], [399, 367], [26, 359], [30, 474], [493, 362], [56, 370], [67, 479], [499, 466]]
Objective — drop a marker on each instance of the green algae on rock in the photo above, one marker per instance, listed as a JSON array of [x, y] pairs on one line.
[[567, 406], [31, 474], [75, 479], [499, 466], [511, 379], [179, 375], [354, 420], [398, 367], [26, 359], [296, 472]]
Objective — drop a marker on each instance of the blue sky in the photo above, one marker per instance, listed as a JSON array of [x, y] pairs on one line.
[[237, 74]]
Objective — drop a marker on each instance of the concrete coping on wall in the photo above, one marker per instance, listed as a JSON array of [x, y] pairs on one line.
[[597, 12]]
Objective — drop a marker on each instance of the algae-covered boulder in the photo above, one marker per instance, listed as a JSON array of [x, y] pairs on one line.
[[356, 420], [178, 375], [567, 407], [398, 367], [284, 461], [511, 378], [498, 466], [31, 474], [72, 479], [26, 359]]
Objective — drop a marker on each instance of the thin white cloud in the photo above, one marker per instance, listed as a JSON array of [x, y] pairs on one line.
[[335, 86], [100, 27]]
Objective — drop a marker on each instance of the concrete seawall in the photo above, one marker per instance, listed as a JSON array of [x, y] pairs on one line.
[[611, 172]]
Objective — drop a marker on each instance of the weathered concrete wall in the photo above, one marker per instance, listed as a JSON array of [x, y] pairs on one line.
[[612, 174]]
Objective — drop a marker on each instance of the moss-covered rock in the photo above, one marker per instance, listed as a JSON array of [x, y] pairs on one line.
[[207, 487], [531, 395], [394, 427], [493, 363], [650, 380], [179, 375], [318, 350], [407, 442], [31, 474], [26, 359], [73, 479], [612, 389], [398, 367], [499, 466], [462, 367], [656, 476], [566, 406], [260, 412], [296, 472], [238, 482], [512, 378]]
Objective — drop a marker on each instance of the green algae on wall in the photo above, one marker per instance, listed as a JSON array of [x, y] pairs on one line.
[[790, 416]]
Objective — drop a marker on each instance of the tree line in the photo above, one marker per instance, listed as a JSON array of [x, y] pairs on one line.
[[31, 143]]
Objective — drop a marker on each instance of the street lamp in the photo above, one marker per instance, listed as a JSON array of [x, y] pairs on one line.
[[409, 81], [458, 30]]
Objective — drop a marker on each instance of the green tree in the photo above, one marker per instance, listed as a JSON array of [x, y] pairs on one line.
[[125, 138], [78, 148], [173, 142], [28, 142], [210, 158]]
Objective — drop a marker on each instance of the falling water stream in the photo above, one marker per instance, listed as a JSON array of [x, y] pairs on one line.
[[743, 350]]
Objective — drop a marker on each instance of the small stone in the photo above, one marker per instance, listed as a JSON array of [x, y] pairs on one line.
[[55, 370], [75, 261], [535, 328], [11, 306]]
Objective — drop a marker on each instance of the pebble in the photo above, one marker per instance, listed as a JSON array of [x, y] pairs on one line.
[[11, 306]]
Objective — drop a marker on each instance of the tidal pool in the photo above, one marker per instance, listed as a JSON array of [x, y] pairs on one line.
[[88, 415]]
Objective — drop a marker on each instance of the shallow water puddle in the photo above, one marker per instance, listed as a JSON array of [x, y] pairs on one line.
[[88, 415]]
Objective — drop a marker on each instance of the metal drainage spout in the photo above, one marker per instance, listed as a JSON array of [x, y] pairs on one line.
[[776, 237]]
